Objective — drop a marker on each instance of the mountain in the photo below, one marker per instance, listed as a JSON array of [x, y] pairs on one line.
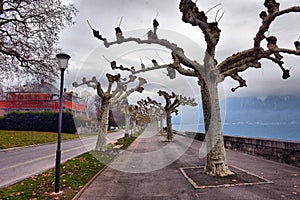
[[268, 109]]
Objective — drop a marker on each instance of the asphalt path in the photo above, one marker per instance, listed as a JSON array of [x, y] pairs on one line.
[[149, 173], [20, 163]]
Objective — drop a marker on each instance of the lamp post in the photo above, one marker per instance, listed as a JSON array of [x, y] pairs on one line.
[[63, 64]]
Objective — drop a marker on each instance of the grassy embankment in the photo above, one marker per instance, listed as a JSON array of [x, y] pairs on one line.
[[11, 139]]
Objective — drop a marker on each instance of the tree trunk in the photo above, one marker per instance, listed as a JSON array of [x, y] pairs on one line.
[[216, 164], [161, 125], [156, 124], [134, 126], [101, 141], [169, 126], [127, 123]]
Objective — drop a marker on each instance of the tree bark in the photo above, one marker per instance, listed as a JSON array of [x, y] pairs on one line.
[[161, 125], [169, 125], [216, 163], [134, 126], [101, 140], [127, 122]]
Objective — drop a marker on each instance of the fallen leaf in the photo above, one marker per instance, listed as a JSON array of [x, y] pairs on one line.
[[294, 175]]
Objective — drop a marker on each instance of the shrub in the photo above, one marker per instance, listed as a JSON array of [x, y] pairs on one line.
[[37, 121]]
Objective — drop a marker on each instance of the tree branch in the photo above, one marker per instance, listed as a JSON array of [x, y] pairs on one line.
[[273, 12], [192, 15]]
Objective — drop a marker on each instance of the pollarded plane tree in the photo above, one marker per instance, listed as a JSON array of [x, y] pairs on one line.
[[140, 116], [211, 72], [156, 108], [158, 115], [134, 111], [143, 115], [173, 101], [120, 100], [107, 97], [28, 33], [171, 107]]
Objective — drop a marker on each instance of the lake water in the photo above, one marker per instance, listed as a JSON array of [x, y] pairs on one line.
[[274, 130]]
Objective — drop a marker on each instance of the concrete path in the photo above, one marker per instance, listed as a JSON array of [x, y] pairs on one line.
[[150, 169], [20, 163]]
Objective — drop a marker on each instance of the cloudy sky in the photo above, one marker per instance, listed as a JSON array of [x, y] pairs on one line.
[[239, 26]]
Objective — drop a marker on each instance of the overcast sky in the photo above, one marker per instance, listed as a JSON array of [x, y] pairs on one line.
[[239, 26]]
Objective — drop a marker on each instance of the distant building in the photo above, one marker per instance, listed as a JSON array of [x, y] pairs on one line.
[[38, 97]]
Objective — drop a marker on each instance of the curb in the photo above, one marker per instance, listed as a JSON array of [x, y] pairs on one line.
[[94, 177], [88, 184], [76, 197]]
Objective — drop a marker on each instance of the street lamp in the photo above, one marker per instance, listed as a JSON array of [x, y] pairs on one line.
[[63, 64]]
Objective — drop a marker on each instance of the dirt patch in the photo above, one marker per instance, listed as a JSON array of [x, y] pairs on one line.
[[199, 180]]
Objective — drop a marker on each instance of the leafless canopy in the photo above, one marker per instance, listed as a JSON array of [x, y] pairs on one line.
[[232, 65], [28, 33], [120, 92], [177, 101]]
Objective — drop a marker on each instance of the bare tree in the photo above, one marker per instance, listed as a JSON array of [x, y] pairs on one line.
[[173, 101], [139, 115], [28, 32], [211, 72], [108, 98], [155, 110], [171, 107]]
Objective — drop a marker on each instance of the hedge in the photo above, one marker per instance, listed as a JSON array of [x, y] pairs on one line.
[[37, 121]]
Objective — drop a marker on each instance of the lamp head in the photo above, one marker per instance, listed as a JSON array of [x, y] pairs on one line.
[[63, 60]]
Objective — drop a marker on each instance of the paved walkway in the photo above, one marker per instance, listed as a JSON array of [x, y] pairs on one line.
[[150, 169]]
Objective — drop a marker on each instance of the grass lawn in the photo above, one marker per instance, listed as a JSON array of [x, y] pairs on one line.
[[75, 173], [10, 139]]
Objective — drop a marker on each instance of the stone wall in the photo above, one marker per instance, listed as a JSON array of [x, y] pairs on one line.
[[279, 150]]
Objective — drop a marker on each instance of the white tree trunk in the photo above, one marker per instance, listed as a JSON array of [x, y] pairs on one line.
[[127, 122], [161, 125], [216, 163], [101, 140], [134, 126]]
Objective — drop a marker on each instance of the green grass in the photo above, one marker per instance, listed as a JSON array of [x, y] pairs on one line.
[[124, 142], [75, 173], [11, 139]]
